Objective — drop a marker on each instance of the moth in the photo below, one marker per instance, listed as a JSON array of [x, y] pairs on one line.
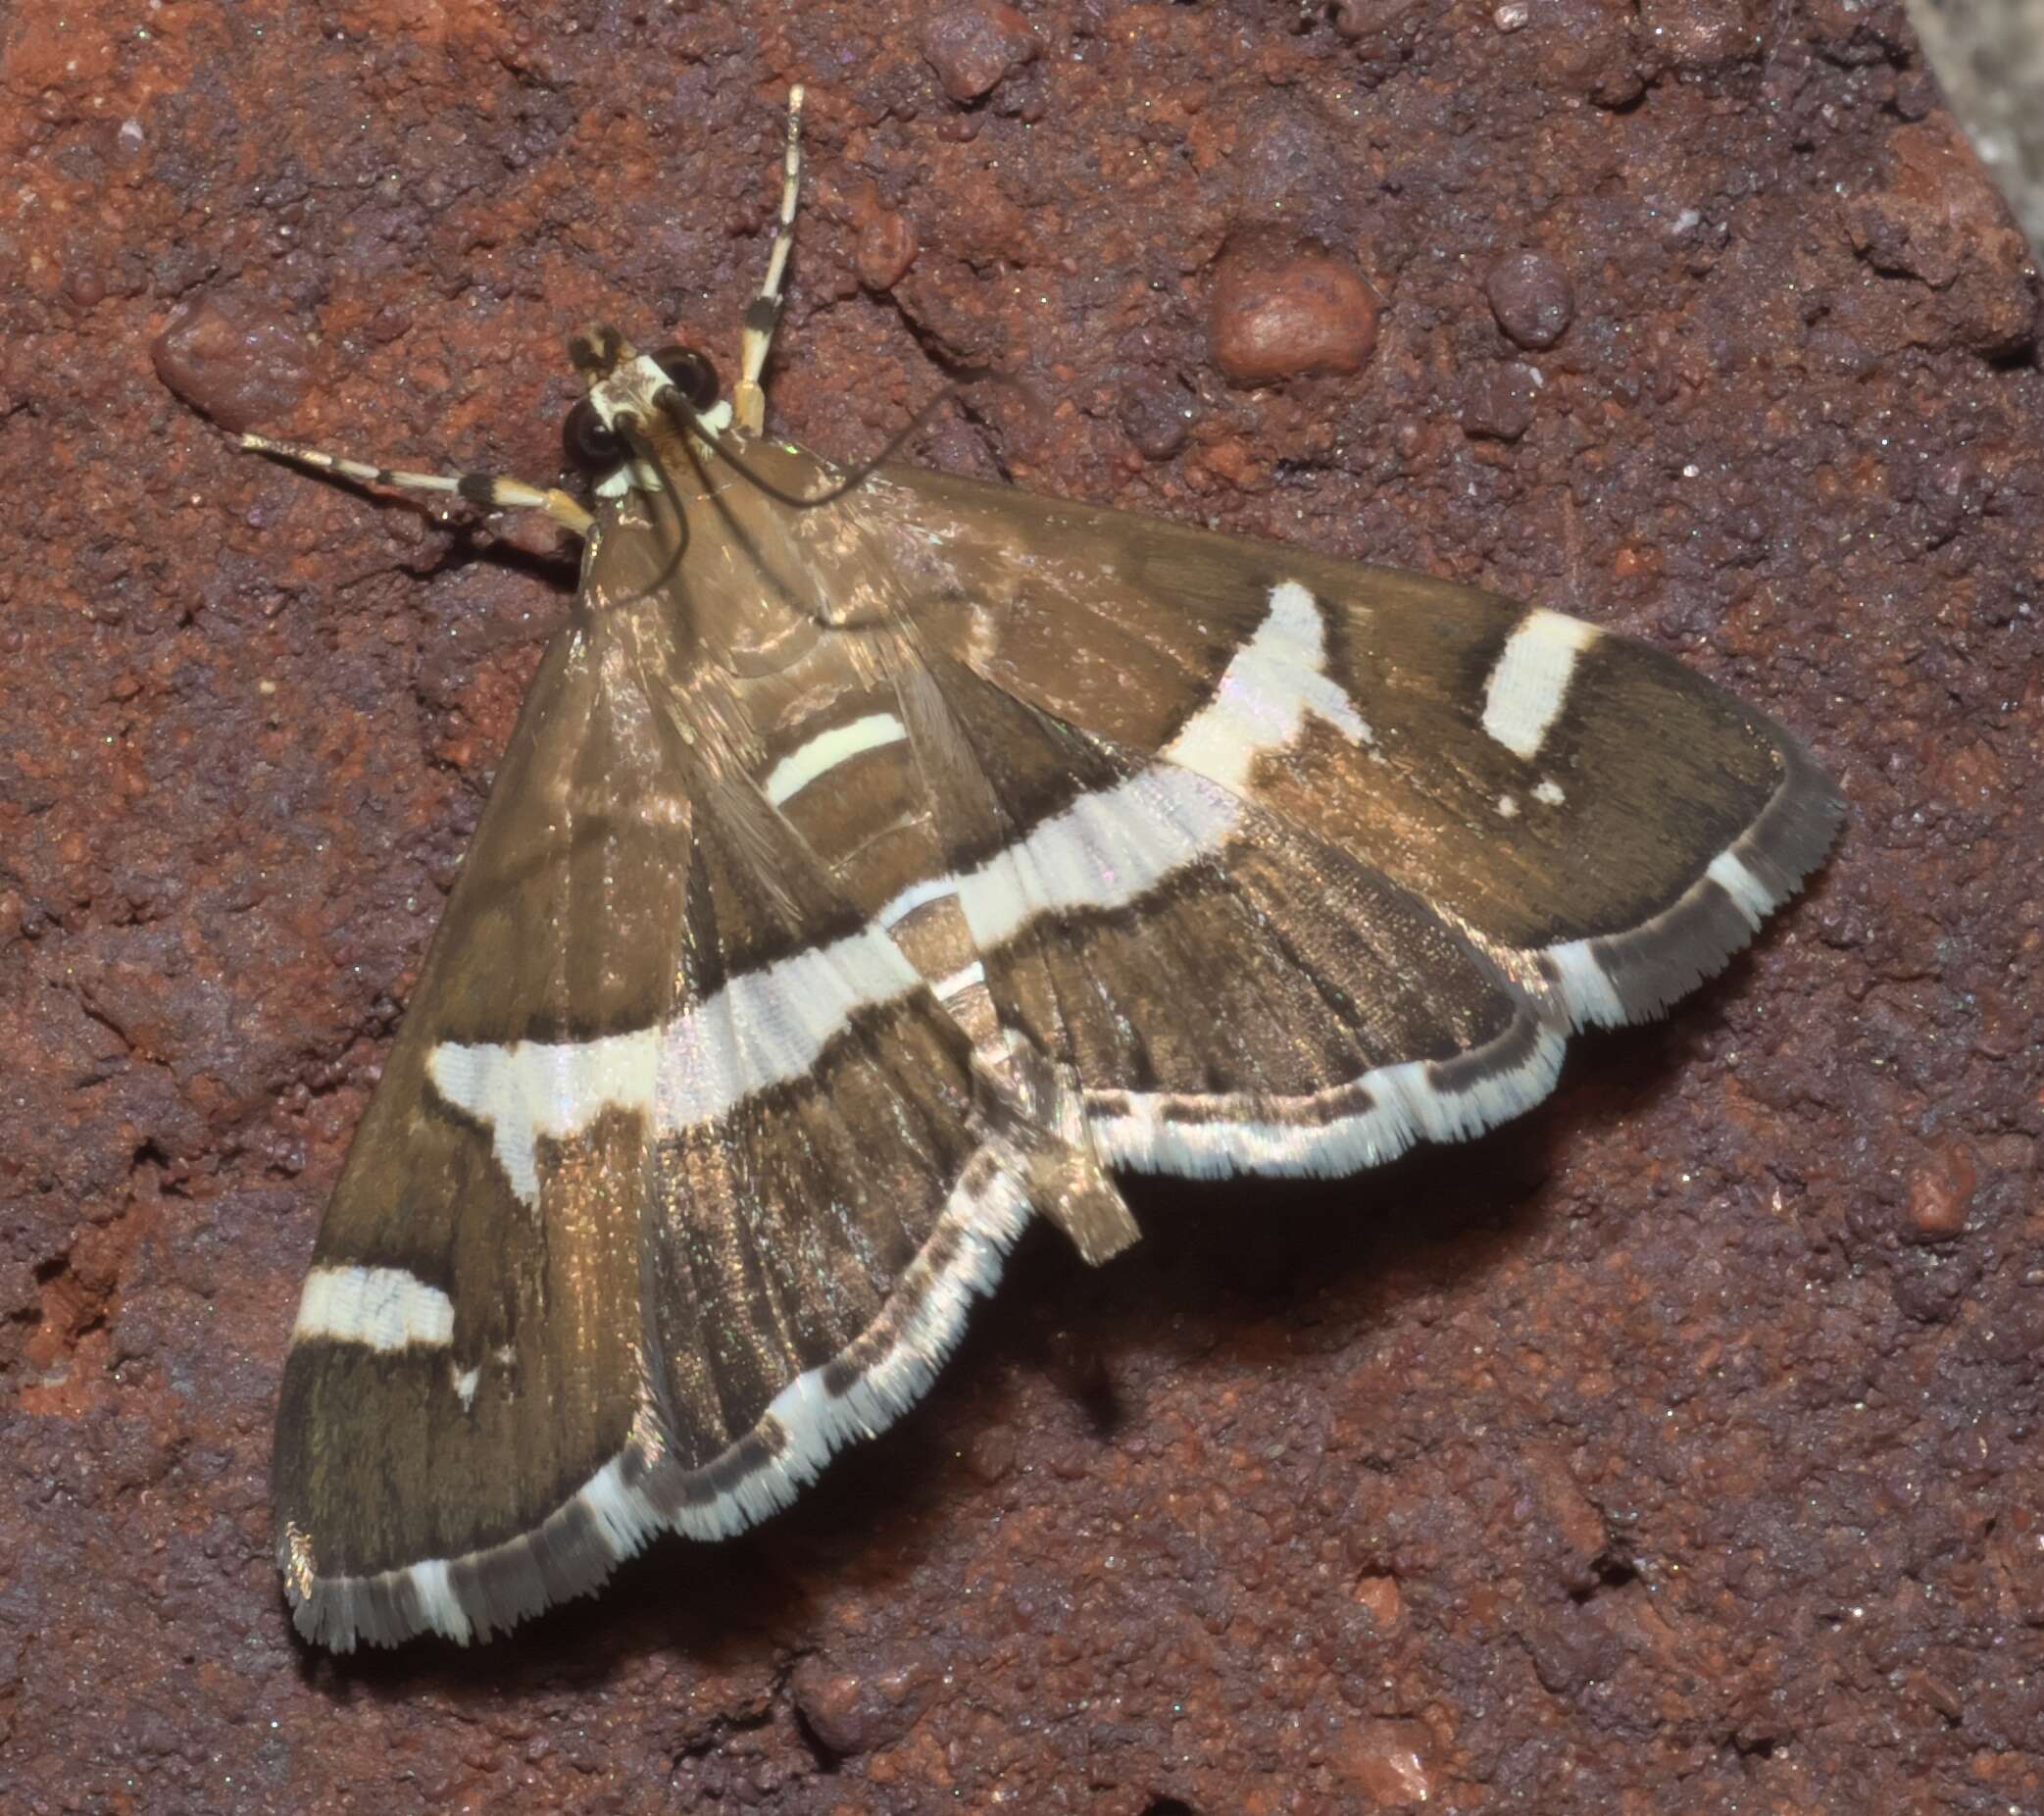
[[883, 861]]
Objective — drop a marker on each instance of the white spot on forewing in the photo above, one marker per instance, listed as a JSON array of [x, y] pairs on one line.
[[1549, 793], [1529, 684], [824, 752], [1508, 807], [1729, 873], [765, 1028], [464, 1386], [379, 1308], [1262, 698]]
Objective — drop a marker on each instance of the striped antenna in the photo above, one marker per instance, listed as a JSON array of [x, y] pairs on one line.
[[748, 400]]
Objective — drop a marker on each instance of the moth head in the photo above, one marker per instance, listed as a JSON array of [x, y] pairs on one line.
[[631, 406]]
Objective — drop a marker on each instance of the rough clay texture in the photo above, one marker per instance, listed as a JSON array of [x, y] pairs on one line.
[[1677, 1450]]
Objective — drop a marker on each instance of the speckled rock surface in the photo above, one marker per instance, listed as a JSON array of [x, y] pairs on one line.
[[1677, 1450]]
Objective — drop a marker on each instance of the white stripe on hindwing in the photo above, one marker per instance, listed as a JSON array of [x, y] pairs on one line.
[[1104, 851], [1528, 684], [1394, 1105], [1107, 851]]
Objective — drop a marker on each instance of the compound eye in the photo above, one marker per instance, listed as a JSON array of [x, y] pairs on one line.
[[588, 441], [691, 373]]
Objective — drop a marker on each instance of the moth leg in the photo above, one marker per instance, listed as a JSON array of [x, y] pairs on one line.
[[492, 490], [1037, 1106], [748, 400]]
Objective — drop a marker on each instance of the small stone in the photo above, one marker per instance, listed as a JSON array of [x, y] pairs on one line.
[[886, 250], [234, 358], [1281, 314], [854, 1711], [86, 287], [974, 45], [1388, 1760], [1941, 1193], [1498, 403], [1940, 1695], [1158, 419], [991, 1454], [1359, 18], [1699, 36], [1571, 1647], [1531, 297], [1586, 47], [1379, 1598]]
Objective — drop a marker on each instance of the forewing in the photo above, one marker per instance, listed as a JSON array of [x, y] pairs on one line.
[[464, 1361], [675, 1182]]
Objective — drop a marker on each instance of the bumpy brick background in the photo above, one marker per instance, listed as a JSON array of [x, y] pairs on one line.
[[1676, 1449]]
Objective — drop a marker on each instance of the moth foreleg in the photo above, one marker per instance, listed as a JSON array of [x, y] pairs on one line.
[[492, 490], [748, 400]]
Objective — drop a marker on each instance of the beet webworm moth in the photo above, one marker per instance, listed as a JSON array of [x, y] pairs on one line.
[[878, 864]]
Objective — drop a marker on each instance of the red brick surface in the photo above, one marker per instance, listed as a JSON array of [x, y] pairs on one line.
[[1676, 1450]]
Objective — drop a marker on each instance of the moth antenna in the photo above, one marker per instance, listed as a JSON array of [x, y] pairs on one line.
[[748, 400], [643, 452], [492, 490], [689, 418]]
